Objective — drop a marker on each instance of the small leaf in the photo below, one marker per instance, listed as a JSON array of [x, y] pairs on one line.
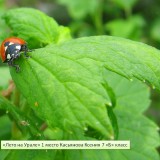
[[35, 154], [4, 80], [5, 128], [110, 93], [3, 154], [19, 117], [64, 34], [131, 28], [4, 28], [113, 121], [79, 9], [34, 26], [155, 30], [142, 134], [125, 4], [133, 99], [129, 94]]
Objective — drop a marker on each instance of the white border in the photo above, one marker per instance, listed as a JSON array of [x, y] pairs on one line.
[[20, 144]]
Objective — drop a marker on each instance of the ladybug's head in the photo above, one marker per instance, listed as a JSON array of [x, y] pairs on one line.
[[24, 47]]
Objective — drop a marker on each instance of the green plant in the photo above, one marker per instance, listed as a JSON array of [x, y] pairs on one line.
[[81, 89]]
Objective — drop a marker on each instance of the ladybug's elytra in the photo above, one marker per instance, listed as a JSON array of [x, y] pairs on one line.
[[10, 50]]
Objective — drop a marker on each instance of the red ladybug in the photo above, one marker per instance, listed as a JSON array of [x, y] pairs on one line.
[[10, 50]]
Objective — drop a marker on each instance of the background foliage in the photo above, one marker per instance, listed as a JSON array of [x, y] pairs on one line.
[[133, 19]]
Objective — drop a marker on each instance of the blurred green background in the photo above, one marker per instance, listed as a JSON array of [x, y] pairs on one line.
[[137, 20]]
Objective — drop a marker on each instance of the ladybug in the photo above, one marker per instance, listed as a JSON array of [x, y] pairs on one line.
[[10, 50]]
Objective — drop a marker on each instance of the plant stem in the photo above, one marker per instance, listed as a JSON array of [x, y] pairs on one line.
[[128, 12], [98, 19], [16, 99]]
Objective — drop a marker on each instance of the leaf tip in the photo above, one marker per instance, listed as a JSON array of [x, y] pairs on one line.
[[85, 129], [153, 87], [111, 137], [110, 104]]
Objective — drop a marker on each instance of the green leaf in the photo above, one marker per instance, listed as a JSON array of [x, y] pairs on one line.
[[70, 96], [138, 129], [66, 80], [19, 117], [5, 128], [141, 132], [4, 79], [3, 154], [125, 4], [133, 95], [4, 28], [155, 30], [133, 99], [79, 9], [113, 119], [32, 154], [110, 93], [64, 34], [34, 26], [125, 57], [131, 28]]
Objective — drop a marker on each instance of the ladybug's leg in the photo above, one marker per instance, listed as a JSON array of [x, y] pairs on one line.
[[10, 63], [25, 54], [25, 49], [14, 56]]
